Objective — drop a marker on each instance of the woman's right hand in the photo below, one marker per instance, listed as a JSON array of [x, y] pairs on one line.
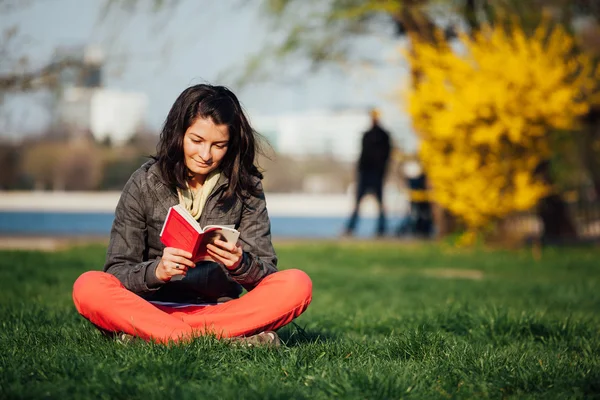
[[173, 262]]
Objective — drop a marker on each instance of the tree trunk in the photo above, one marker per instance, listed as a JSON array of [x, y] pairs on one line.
[[444, 222], [553, 212], [558, 226], [590, 153]]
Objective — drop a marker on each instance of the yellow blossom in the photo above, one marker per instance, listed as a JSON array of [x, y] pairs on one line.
[[484, 116]]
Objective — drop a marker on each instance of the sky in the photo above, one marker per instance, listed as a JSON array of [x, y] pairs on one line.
[[161, 53]]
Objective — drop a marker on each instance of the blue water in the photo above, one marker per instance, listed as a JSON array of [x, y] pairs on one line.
[[99, 224]]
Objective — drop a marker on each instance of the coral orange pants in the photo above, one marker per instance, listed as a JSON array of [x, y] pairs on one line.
[[274, 302]]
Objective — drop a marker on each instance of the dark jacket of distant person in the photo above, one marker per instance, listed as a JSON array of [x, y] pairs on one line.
[[135, 247], [375, 150]]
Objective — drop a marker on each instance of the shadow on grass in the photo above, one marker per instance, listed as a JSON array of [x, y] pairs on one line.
[[294, 335], [291, 335]]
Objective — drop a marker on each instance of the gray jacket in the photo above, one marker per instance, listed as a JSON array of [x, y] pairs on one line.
[[135, 248]]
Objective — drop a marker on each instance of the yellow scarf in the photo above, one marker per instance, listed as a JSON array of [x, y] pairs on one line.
[[194, 201]]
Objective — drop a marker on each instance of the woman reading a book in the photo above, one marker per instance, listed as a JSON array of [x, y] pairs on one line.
[[205, 162]]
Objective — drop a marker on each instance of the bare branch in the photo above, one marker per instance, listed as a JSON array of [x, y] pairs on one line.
[[44, 77]]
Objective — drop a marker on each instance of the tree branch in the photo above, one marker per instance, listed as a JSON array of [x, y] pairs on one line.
[[45, 77]]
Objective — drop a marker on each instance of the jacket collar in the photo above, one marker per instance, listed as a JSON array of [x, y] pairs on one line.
[[223, 181]]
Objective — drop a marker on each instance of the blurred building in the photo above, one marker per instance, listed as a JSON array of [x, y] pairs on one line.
[[106, 114], [330, 132], [318, 132], [84, 107]]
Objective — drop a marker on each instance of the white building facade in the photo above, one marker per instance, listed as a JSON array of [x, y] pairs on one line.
[[84, 106], [336, 133], [317, 132], [105, 113]]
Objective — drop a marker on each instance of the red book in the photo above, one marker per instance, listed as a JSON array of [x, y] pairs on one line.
[[182, 231]]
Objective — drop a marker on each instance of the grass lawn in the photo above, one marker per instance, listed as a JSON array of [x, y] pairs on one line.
[[387, 321]]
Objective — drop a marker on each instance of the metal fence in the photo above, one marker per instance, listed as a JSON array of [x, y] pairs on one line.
[[585, 215]]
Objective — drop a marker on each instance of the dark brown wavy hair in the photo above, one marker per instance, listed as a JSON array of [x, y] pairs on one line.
[[222, 106]]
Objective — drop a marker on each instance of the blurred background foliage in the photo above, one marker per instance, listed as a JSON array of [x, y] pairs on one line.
[[487, 116], [50, 163]]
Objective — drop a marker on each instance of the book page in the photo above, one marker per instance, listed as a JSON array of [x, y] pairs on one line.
[[223, 232], [188, 217], [212, 233], [180, 305]]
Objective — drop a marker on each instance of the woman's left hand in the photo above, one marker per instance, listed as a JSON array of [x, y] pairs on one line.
[[228, 254]]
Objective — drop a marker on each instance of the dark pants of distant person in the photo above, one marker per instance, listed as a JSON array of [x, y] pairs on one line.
[[368, 182]]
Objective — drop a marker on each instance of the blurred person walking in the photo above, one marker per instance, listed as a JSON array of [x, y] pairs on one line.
[[372, 166], [205, 161]]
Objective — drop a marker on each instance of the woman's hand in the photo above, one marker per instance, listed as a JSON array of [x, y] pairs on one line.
[[173, 262], [228, 254]]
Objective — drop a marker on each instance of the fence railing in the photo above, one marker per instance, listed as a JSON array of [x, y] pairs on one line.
[[585, 216]]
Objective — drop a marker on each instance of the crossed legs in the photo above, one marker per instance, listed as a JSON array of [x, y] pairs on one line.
[[274, 302]]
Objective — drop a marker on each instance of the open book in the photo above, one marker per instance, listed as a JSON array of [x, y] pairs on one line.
[[182, 231]]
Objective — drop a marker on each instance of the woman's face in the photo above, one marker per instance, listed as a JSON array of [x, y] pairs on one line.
[[204, 147]]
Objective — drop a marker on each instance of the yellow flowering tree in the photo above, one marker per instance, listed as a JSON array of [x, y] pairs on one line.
[[485, 113]]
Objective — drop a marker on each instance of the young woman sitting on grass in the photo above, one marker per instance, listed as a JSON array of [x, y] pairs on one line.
[[206, 162]]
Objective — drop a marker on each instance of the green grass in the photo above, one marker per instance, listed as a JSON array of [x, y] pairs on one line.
[[387, 321]]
